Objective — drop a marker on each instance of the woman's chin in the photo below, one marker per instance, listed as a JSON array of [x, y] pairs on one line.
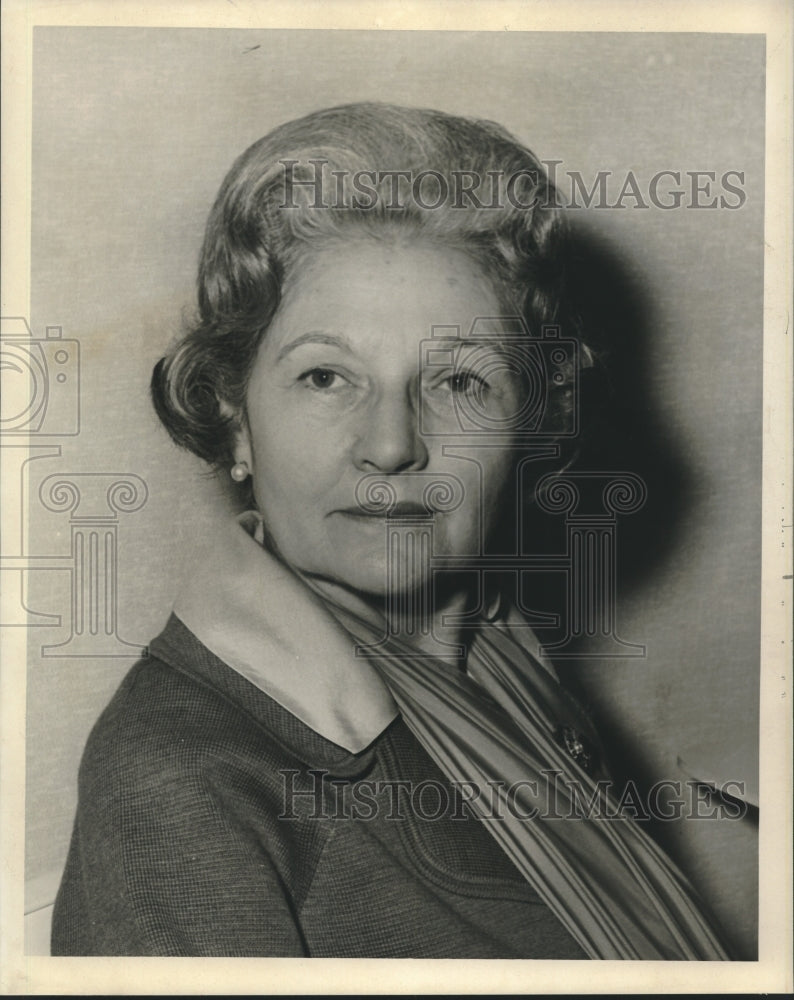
[[377, 580], [371, 577], [356, 557]]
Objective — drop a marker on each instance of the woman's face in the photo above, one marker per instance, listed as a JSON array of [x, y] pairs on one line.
[[341, 389]]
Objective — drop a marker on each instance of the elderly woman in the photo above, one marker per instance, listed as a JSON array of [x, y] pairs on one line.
[[344, 743]]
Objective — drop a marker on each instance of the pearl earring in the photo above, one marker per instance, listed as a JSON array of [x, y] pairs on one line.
[[239, 472]]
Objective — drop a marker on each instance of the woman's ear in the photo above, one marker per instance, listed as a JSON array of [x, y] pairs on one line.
[[241, 448]]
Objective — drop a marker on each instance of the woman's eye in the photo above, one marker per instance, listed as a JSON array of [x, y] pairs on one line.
[[466, 382], [322, 378]]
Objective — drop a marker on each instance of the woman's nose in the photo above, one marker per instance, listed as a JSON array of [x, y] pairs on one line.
[[389, 440]]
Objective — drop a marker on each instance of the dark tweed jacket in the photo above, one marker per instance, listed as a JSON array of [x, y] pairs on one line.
[[211, 821]]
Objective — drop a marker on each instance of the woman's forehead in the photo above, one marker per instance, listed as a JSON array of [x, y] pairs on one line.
[[365, 281]]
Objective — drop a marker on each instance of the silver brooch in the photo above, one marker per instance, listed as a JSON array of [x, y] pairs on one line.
[[578, 748]]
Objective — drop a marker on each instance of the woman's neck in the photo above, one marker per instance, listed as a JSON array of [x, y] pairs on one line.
[[424, 618], [429, 620]]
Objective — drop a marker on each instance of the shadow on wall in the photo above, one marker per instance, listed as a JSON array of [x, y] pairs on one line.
[[620, 432]]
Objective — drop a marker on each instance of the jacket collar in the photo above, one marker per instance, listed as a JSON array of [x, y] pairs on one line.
[[254, 614]]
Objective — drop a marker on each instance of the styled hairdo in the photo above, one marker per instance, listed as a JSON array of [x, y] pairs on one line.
[[357, 171]]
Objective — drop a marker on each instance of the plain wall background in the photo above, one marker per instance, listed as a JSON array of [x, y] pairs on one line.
[[133, 131]]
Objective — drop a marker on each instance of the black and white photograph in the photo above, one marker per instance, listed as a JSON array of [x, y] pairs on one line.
[[396, 502]]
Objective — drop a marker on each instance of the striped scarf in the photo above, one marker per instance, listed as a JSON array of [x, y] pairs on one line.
[[504, 728]]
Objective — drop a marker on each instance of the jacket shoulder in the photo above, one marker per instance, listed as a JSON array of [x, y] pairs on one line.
[[164, 725], [177, 846]]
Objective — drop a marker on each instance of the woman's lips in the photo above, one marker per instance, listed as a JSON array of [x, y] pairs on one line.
[[404, 508]]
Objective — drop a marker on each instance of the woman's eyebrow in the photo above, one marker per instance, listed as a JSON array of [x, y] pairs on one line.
[[314, 337], [496, 343]]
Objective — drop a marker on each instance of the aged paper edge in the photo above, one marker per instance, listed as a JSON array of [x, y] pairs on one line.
[[773, 971]]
